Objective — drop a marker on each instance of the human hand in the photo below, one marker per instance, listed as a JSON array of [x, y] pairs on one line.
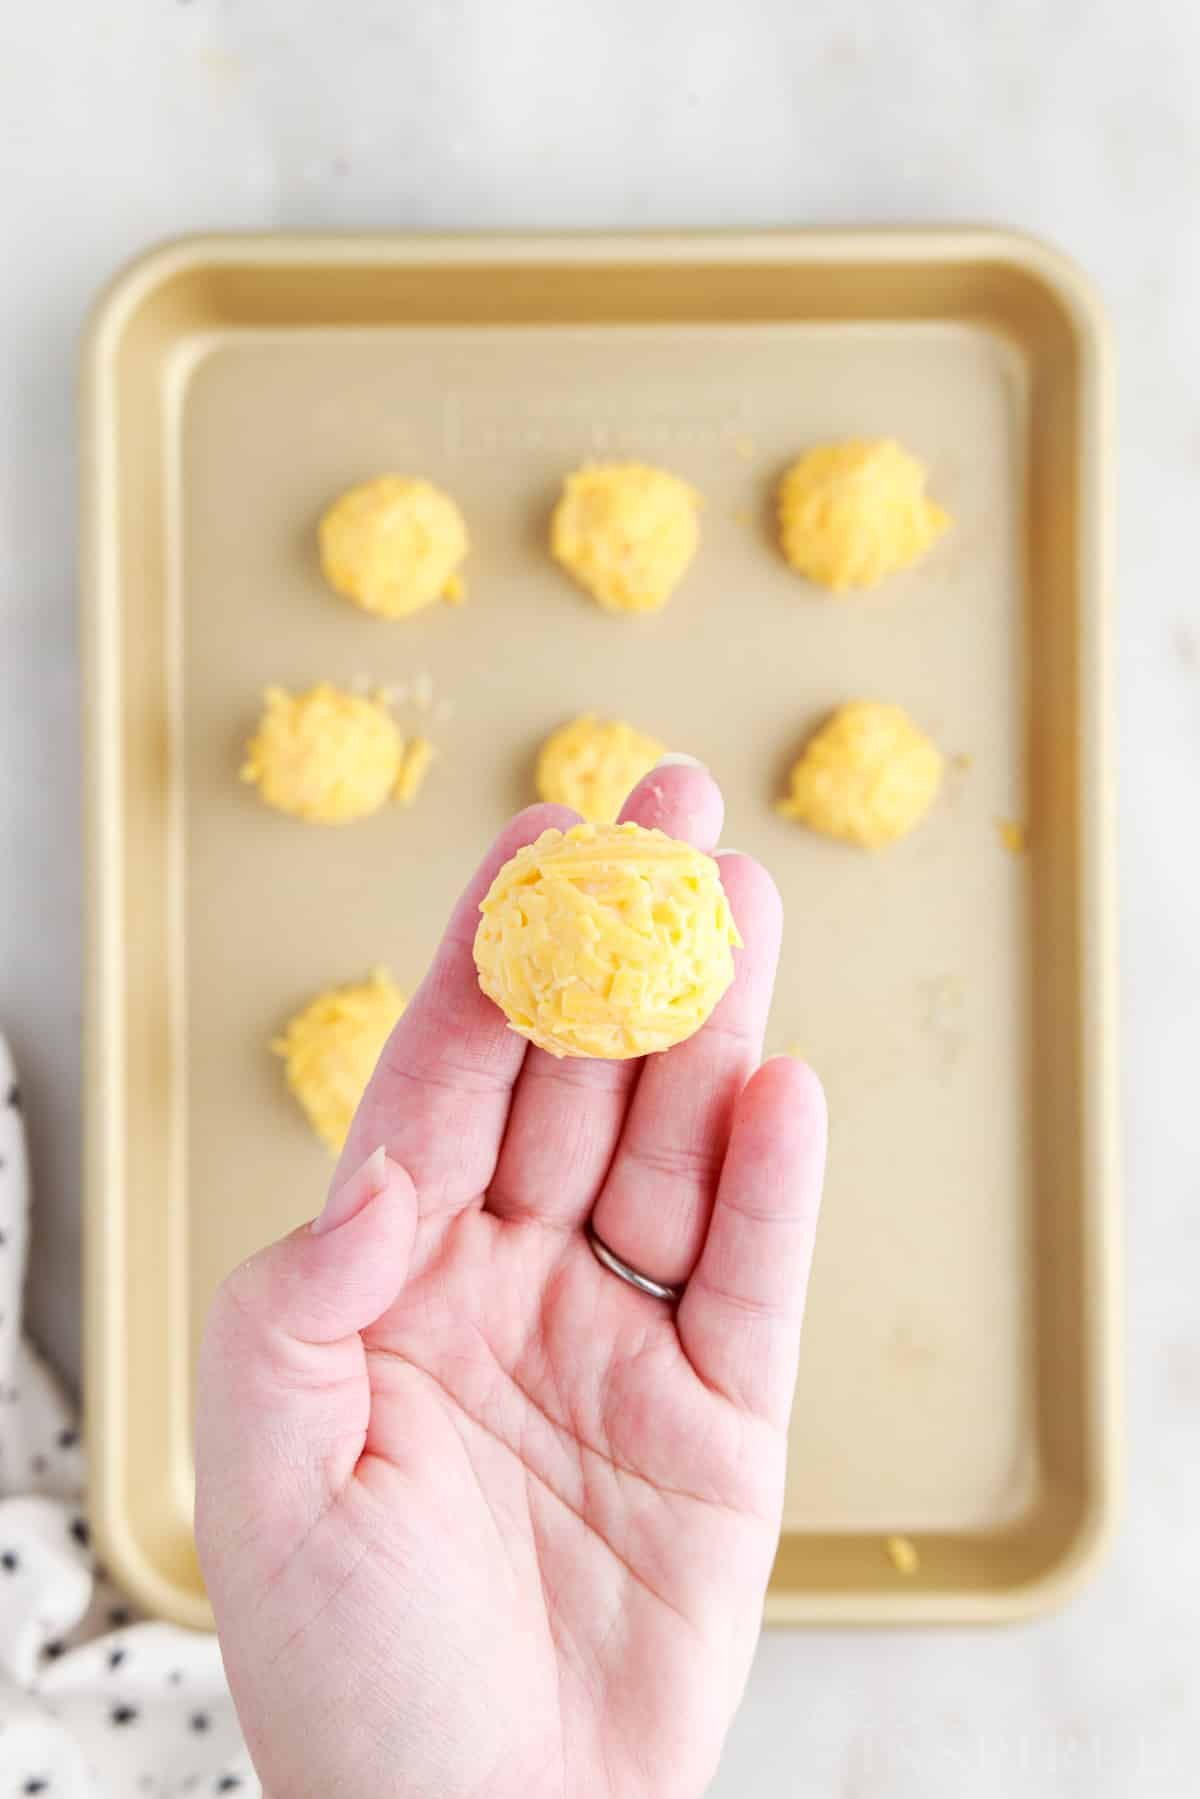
[[477, 1517]]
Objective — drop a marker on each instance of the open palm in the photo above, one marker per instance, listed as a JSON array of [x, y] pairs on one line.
[[476, 1516]]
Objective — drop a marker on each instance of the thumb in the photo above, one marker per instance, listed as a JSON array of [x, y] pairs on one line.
[[283, 1399]]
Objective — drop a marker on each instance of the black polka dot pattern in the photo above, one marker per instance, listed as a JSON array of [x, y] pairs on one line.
[[147, 1708]]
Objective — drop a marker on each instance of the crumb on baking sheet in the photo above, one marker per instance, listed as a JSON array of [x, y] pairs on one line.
[[414, 766], [743, 448], [389, 693], [903, 1554], [1013, 835], [422, 690]]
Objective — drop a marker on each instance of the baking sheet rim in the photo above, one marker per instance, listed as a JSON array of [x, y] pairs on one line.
[[103, 1040]]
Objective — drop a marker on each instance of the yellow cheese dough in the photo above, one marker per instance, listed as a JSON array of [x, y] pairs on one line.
[[326, 756], [1013, 835], [593, 764], [330, 1050], [414, 766], [626, 533], [606, 940], [869, 776], [903, 1554], [851, 513], [394, 545]]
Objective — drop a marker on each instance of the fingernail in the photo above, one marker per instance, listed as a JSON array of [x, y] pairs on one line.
[[356, 1191], [677, 759], [728, 850]]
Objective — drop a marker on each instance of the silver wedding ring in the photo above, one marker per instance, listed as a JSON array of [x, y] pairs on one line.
[[643, 1283]]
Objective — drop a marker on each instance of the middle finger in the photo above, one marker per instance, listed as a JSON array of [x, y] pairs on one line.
[[566, 1114], [654, 1208]]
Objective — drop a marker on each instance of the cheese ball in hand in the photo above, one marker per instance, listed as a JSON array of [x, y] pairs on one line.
[[394, 546], [593, 764], [868, 776], [330, 1050], [326, 756], [626, 533], [851, 513], [606, 940]]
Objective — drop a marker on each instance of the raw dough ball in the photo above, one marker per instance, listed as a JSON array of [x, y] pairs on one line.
[[330, 1050], [394, 546], [606, 940], [869, 775], [626, 533], [326, 755], [851, 513], [593, 764]]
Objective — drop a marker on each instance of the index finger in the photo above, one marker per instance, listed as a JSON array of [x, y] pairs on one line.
[[439, 1097]]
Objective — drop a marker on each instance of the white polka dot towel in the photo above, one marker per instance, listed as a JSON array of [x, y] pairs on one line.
[[94, 1704]]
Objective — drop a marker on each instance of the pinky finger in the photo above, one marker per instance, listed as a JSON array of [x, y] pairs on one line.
[[739, 1319]]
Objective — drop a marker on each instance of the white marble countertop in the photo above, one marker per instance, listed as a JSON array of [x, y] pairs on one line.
[[145, 118]]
